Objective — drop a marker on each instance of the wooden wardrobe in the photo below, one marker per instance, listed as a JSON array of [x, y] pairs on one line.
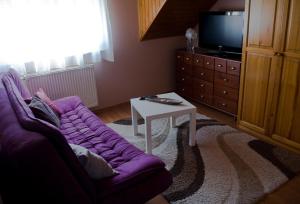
[[269, 103]]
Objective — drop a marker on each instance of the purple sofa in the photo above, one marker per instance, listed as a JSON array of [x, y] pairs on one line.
[[38, 166]]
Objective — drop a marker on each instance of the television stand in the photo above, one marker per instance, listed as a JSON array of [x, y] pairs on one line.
[[210, 78], [228, 55], [219, 53]]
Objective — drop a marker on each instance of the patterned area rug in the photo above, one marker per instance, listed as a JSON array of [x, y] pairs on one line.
[[226, 165]]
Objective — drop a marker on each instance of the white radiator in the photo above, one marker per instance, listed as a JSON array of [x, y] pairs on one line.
[[74, 82]]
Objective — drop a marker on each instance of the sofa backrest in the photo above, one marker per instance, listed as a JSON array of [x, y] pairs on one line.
[[24, 92], [35, 164]]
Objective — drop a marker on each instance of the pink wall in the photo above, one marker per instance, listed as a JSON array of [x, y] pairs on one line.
[[228, 5], [140, 68]]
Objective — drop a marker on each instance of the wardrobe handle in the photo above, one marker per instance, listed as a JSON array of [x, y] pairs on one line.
[[279, 54]]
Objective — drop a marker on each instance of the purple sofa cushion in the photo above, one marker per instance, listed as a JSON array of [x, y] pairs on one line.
[[80, 126], [29, 122], [31, 170]]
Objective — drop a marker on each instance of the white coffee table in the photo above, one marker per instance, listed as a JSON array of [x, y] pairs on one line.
[[151, 110]]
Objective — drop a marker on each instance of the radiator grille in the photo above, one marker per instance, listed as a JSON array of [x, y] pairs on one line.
[[74, 82]]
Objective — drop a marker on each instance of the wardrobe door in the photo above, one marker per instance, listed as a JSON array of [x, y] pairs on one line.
[[293, 29], [265, 23], [287, 122], [261, 64], [257, 91]]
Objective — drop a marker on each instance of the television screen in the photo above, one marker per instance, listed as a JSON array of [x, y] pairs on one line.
[[221, 30]]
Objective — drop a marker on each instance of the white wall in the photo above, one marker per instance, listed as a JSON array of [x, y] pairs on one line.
[[140, 68]]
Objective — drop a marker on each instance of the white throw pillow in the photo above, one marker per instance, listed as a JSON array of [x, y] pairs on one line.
[[94, 164]]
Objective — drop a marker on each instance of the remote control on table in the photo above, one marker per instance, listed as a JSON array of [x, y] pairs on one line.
[[156, 99]]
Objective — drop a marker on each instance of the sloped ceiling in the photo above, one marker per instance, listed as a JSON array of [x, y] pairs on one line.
[[165, 18]]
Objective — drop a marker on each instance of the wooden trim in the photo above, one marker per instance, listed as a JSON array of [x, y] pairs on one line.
[[147, 12], [281, 25], [243, 65], [290, 53], [286, 141], [275, 97], [165, 18], [260, 51], [274, 141], [251, 127]]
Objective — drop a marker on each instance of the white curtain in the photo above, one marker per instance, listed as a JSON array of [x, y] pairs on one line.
[[44, 35]]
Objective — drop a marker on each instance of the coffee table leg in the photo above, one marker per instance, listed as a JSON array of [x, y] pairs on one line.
[[134, 120], [192, 138], [148, 136], [173, 121]]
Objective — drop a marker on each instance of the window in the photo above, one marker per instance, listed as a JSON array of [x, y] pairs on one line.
[[44, 35]]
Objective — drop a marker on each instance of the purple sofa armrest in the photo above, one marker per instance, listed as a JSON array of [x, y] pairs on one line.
[[67, 104], [143, 164], [19, 84], [33, 172], [130, 174]]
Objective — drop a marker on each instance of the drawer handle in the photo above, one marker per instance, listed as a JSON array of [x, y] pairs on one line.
[[225, 92], [233, 68], [182, 68], [202, 85], [208, 63], [178, 56], [219, 65], [225, 80], [224, 104], [182, 79], [202, 96], [197, 61], [202, 74], [187, 58], [183, 89]]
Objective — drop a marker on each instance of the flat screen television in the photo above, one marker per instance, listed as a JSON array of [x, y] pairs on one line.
[[221, 31]]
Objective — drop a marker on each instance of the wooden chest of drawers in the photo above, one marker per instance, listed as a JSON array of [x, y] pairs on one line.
[[209, 80]]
